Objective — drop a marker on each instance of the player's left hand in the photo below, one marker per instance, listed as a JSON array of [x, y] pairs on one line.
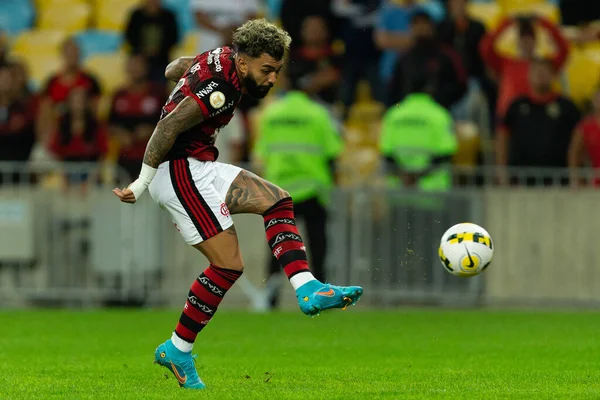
[[125, 195]]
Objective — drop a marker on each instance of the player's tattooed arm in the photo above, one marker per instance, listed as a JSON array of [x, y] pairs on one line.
[[249, 193], [177, 68], [183, 117]]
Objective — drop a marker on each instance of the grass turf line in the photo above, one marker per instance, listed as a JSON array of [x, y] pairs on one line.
[[339, 355]]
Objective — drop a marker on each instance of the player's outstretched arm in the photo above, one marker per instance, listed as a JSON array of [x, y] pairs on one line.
[[183, 117], [177, 68]]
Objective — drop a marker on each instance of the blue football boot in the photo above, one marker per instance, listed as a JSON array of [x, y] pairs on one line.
[[314, 297], [181, 364]]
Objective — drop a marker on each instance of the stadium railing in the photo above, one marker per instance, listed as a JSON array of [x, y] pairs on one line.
[[65, 240]]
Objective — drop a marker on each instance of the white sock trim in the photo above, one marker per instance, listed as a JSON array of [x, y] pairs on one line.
[[301, 279], [181, 344]]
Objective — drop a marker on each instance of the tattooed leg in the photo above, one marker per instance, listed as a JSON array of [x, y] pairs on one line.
[[250, 194]]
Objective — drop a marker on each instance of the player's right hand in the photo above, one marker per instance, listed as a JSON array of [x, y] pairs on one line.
[[125, 195]]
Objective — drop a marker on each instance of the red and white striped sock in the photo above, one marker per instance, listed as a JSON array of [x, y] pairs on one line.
[[204, 297], [286, 243]]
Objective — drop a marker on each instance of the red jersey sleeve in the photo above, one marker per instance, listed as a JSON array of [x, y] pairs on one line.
[[212, 95]]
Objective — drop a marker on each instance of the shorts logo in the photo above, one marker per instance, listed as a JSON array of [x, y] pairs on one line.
[[217, 99], [281, 237], [224, 210], [176, 227]]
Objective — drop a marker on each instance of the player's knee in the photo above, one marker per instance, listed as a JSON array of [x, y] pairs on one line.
[[283, 194], [234, 262]]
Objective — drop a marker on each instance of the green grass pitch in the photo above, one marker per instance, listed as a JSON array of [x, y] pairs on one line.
[[357, 354]]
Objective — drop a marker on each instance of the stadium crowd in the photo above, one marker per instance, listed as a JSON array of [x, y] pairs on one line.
[[414, 84]]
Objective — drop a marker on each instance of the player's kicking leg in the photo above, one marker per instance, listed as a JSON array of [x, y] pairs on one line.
[[249, 193]]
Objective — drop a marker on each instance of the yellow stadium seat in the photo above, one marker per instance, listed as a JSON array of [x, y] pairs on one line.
[[65, 15], [510, 4], [43, 5], [489, 13], [113, 15], [547, 10], [188, 46], [109, 69], [582, 74], [468, 144], [39, 42]]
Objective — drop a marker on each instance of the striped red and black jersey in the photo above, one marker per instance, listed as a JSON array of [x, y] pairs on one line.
[[213, 83]]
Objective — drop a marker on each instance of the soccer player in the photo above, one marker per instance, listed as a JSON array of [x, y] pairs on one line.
[[182, 175]]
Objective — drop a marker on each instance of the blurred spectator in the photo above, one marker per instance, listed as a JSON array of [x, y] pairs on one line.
[[314, 65], [218, 19], [80, 136], [463, 34], [296, 147], [512, 73], [431, 61], [20, 78], [537, 128], [3, 48], [152, 31], [579, 12], [361, 56], [392, 33], [585, 144], [17, 133], [134, 113], [293, 13], [59, 87], [418, 140]]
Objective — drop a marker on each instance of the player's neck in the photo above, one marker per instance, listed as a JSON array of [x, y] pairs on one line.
[[238, 73]]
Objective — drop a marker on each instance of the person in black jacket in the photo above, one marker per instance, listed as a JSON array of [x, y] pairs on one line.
[[429, 60], [152, 32], [463, 34]]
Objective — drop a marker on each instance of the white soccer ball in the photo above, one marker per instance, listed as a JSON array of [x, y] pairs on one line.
[[466, 250]]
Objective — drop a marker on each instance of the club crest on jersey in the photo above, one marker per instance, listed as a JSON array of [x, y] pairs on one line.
[[207, 90], [217, 99]]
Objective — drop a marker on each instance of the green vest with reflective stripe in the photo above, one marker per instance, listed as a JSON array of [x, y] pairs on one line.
[[296, 141], [416, 131]]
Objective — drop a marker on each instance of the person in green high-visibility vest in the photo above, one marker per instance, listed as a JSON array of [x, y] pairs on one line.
[[418, 141], [296, 148]]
